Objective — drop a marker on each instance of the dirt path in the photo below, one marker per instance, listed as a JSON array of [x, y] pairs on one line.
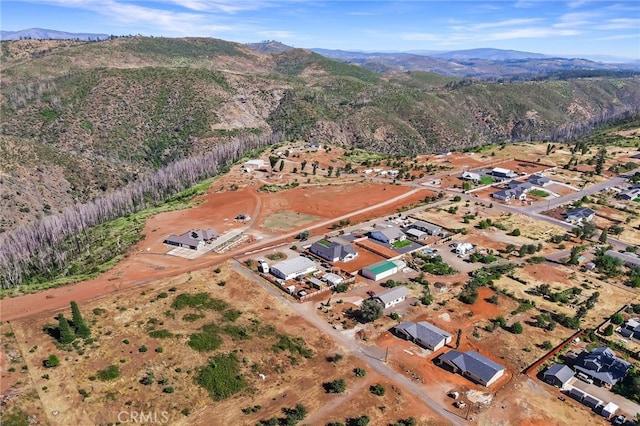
[[56, 298]]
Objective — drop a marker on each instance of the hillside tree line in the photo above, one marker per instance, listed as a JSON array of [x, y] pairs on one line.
[[51, 244]]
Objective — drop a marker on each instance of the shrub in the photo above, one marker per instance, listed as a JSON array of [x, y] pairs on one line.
[[142, 348], [160, 334], [359, 372], [148, 379], [159, 350], [608, 330], [52, 361], [515, 232], [163, 295], [617, 318], [335, 386], [168, 389], [335, 358], [110, 373], [516, 328], [199, 301], [221, 377], [370, 310], [377, 389], [547, 345]]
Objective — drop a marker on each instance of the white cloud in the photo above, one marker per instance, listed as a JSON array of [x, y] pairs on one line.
[[576, 4], [505, 23], [620, 24], [617, 37], [226, 6], [534, 32]]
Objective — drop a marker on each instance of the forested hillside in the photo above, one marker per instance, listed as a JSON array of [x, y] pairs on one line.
[[81, 119]]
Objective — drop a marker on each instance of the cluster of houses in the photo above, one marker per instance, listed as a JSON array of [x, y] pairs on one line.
[[632, 193], [600, 367], [517, 190]]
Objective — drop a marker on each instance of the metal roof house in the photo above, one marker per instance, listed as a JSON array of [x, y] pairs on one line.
[[392, 297], [427, 227], [292, 268], [579, 215], [503, 174], [558, 375], [603, 366], [388, 235], [334, 250], [424, 333], [332, 279], [194, 240], [630, 259], [473, 366], [416, 234]]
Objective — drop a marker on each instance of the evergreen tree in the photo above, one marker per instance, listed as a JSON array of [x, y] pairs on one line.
[[80, 325], [458, 338], [600, 159], [66, 333], [603, 237]]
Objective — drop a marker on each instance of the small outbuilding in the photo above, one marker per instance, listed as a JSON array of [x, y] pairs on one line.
[[416, 234], [380, 270], [558, 375], [609, 410]]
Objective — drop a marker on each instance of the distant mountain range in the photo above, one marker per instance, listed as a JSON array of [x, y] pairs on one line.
[[478, 63], [44, 34]]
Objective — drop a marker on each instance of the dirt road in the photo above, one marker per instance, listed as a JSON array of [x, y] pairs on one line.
[[57, 298]]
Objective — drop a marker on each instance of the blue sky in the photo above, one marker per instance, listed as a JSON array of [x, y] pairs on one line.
[[569, 28]]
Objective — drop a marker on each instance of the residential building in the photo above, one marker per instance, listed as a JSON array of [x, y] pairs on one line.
[[631, 329], [522, 186], [603, 366], [388, 235], [462, 248], [539, 180], [427, 227], [558, 375], [473, 366], [629, 194], [474, 177], [510, 194], [629, 259], [381, 270], [393, 296], [424, 333], [194, 240], [579, 215], [293, 267], [334, 250]]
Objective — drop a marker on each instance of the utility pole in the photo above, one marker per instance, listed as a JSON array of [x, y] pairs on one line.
[[386, 355]]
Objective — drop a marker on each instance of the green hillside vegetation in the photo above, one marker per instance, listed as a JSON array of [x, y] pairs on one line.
[[94, 117]]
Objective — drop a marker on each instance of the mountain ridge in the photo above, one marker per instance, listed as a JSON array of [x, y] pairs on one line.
[[46, 34]]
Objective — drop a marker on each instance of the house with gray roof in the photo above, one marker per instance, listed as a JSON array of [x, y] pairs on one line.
[[631, 329], [558, 375], [388, 235], [194, 240], [416, 234], [629, 194], [334, 250], [523, 186], [603, 366], [576, 394], [423, 333], [392, 297], [427, 227], [539, 180], [579, 215], [503, 174], [510, 194], [473, 366], [630, 260]]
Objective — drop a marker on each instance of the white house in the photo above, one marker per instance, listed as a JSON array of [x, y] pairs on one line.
[[424, 333], [392, 297], [474, 177], [256, 164]]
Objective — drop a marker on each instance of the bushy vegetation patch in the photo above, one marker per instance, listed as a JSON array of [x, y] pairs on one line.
[[294, 345], [221, 376], [199, 301]]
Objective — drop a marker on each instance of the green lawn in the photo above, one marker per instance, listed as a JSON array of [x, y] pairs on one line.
[[636, 200], [400, 244], [539, 193], [486, 180]]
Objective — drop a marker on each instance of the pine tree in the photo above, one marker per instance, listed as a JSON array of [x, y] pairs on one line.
[[458, 338], [603, 237], [66, 333], [80, 325]]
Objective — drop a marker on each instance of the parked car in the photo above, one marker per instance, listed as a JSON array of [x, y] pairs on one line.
[[619, 420], [584, 378], [371, 293], [459, 404]]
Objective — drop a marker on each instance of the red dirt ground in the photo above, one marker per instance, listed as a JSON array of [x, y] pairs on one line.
[[377, 248], [365, 258], [147, 260]]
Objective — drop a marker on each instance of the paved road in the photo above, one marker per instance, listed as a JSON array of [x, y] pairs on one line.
[[366, 354]]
